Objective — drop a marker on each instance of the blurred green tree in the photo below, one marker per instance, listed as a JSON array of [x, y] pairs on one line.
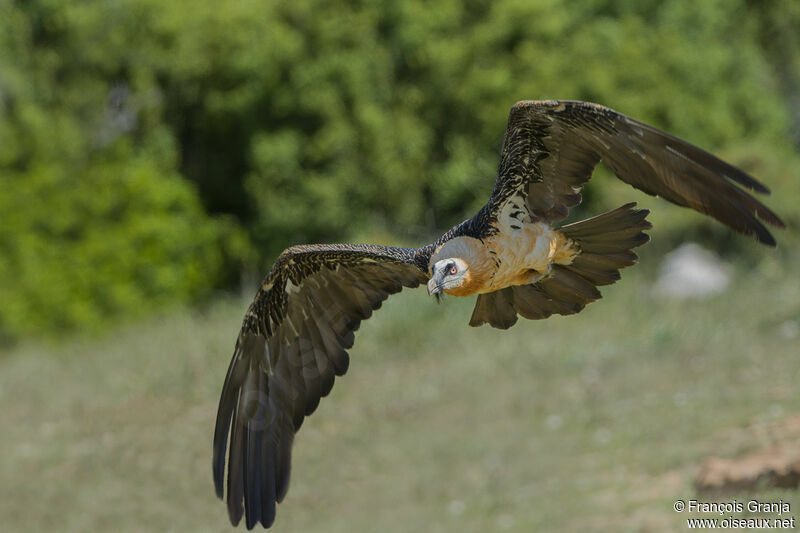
[[97, 221], [146, 147]]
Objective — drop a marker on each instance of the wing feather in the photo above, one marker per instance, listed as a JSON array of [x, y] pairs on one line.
[[268, 495], [552, 147], [235, 469], [252, 478], [293, 343], [294, 370], [336, 348], [312, 376]]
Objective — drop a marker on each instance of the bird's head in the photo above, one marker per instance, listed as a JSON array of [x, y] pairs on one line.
[[448, 275], [459, 267]]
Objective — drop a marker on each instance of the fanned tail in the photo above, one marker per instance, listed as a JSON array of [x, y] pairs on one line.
[[605, 245]]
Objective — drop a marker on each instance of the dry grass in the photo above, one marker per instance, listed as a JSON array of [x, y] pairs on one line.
[[593, 422]]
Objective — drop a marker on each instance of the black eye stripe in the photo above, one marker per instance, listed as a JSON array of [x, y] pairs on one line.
[[450, 268]]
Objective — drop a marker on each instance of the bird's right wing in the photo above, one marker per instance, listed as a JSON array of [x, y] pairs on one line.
[[291, 346], [551, 148]]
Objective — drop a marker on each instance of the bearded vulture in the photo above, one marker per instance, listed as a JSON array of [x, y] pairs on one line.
[[511, 254]]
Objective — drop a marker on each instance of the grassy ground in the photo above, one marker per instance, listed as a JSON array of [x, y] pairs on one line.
[[593, 422]]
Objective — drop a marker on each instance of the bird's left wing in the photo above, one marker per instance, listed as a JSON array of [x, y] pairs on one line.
[[291, 346], [551, 147]]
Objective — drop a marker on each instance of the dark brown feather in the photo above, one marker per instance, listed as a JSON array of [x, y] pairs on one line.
[[552, 147], [531, 303], [495, 308], [292, 345]]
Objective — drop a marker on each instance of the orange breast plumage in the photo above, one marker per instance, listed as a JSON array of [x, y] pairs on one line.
[[525, 255]]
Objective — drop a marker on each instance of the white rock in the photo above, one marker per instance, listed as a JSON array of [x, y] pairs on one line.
[[456, 507], [690, 271]]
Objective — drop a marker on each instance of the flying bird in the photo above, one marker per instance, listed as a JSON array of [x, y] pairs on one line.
[[512, 254]]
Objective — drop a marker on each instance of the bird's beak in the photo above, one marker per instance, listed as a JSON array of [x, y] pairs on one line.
[[433, 287]]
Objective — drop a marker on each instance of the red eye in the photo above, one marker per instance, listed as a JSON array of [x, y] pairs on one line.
[[453, 269]]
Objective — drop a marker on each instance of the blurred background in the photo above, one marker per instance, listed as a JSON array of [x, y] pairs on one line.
[[155, 157]]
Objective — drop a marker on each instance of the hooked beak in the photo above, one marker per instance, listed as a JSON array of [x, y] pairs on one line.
[[433, 287]]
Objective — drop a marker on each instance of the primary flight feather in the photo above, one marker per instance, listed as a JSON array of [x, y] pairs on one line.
[[296, 333]]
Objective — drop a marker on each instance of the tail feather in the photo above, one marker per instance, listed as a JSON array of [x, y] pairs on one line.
[[623, 219], [606, 242], [570, 287], [604, 246]]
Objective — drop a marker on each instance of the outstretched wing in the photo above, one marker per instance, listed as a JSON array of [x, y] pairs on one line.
[[551, 148], [291, 346]]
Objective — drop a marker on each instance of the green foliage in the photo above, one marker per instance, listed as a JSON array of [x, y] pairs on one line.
[[116, 238], [331, 118], [97, 222], [315, 121]]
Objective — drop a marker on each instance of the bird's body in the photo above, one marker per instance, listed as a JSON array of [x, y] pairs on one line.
[[512, 254]]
